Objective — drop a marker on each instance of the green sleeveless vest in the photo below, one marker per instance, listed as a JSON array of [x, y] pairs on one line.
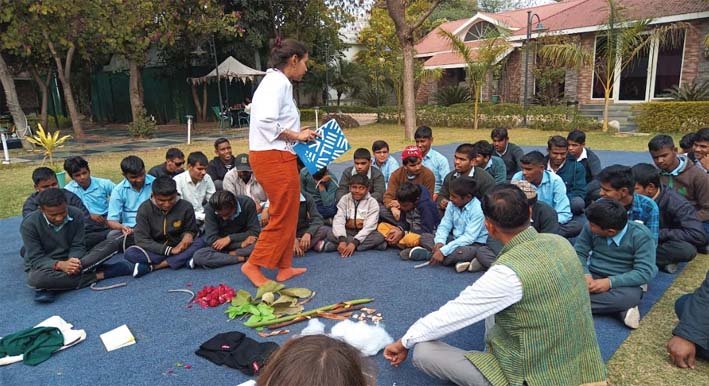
[[547, 338]]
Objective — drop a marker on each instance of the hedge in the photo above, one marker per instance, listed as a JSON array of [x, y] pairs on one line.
[[671, 117]]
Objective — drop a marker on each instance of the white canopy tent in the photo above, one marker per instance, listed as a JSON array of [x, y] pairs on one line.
[[230, 69]]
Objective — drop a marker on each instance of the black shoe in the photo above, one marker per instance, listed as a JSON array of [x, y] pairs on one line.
[[669, 268], [45, 296]]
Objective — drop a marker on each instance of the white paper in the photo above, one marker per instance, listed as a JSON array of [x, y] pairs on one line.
[[117, 338]]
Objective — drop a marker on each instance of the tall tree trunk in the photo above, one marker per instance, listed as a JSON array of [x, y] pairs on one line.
[[409, 92], [64, 73], [606, 105], [197, 104], [13, 102], [44, 93], [134, 85], [204, 101], [476, 104]]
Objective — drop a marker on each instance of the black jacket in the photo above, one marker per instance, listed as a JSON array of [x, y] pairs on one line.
[[544, 218], [158, 232], [217, 170], [72, 199], [161, 170], [309, 219], [694, 323], [678, 218], [592, 164], [245, 223]]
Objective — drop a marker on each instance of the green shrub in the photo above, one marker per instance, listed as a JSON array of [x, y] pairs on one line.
[[693, 91], [142, 126], [452, 95], [671, 117], [345, 121]]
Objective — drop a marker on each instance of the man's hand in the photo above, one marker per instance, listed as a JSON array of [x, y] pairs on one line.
[[126, 230], [322, 183], [682, 352], [589, 280], [97, 218], [186, 242], [435, 196], [221, 243], [305, 242], [396, 212], [437, 257], [394, 235], [396, 353], [443, 203], [348, 250], [297, 250], [259, 207], [70, 266], [248, 241], [599, 286], [394, 204]]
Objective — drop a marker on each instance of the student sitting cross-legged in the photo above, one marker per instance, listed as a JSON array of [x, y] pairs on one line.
[[618, 257], [322, 186], [461, 236], [412, 171], [231, 228], [354, 227], [165, 231], [45, 178], [489, 162], [681, 231], [56, 257], [127, 197], [383, 161], [464, 162], [194, 185], [419, 217]]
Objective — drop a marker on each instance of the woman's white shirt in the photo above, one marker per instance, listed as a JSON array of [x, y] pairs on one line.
[[273, 110]]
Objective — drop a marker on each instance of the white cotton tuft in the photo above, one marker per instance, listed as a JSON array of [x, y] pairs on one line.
[[368, 339], [314, 327]]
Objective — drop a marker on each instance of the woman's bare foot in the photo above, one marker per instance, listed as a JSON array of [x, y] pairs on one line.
[[289, 273], [253, 272]]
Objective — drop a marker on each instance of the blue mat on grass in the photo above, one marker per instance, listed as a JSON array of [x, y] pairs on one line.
[[168, 332]]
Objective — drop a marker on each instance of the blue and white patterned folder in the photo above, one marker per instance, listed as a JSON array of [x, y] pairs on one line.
[[322, 151]]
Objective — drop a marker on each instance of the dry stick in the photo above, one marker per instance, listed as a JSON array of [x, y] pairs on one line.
[[298, 320], [347, 304]]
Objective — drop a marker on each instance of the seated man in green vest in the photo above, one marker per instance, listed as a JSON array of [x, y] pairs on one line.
[[542, 317]]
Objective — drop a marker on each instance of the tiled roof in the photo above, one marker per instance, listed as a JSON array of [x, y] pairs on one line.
[[565, 15]]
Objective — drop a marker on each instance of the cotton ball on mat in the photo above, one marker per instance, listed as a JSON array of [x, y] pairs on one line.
[[314, 327], [368, 339]]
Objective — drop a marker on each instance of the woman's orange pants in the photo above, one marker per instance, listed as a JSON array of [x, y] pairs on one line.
[[277, 172]]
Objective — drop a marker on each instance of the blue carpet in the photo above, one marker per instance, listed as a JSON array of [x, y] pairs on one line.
[[168, 332]]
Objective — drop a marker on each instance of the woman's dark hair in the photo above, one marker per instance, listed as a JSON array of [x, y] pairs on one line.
[[379, 144], [506, 206], [51, 198], [132, 165], [283, 50], [577, 136], [75, 164], [618, 177], [316, 360], [533, 158], [359, 179], [463, 186], [484, 148], [646, 174], [607, 214], [164, 186], [408, 192], [223, 199], [43, 173]]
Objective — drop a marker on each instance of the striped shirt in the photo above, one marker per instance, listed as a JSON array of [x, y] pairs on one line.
[[645, 210], [496, 290]]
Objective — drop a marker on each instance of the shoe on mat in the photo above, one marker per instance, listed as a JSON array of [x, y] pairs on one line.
[[631, 317], [419, 254], [462, 266], [382, 246], [141, 269], [475, 266], [319, 246], [45, 296], [329, 247], [405, 253], [191, 263], [669, 268]]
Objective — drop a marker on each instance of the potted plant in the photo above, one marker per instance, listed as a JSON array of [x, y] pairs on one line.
[[49, 142]]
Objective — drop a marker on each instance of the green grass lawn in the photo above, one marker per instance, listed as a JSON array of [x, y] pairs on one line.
[[641, 360]]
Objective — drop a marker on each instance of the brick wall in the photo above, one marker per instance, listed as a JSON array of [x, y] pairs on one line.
[[696, 64], [585, 75], [511, 78]]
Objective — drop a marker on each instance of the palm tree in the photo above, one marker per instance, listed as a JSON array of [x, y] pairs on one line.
[[620, 41], [479, 62]]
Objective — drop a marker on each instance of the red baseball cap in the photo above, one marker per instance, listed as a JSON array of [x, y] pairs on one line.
[[411, 151]]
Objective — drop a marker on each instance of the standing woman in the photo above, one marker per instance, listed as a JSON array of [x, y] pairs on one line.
[[274, 128]]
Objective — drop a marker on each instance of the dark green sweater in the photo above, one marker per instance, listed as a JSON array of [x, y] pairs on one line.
[[44, 246], [631, 264]]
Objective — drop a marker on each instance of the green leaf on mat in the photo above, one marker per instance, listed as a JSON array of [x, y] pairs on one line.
[[297, 292], [241, 297], [270, 286], [284, 299]]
